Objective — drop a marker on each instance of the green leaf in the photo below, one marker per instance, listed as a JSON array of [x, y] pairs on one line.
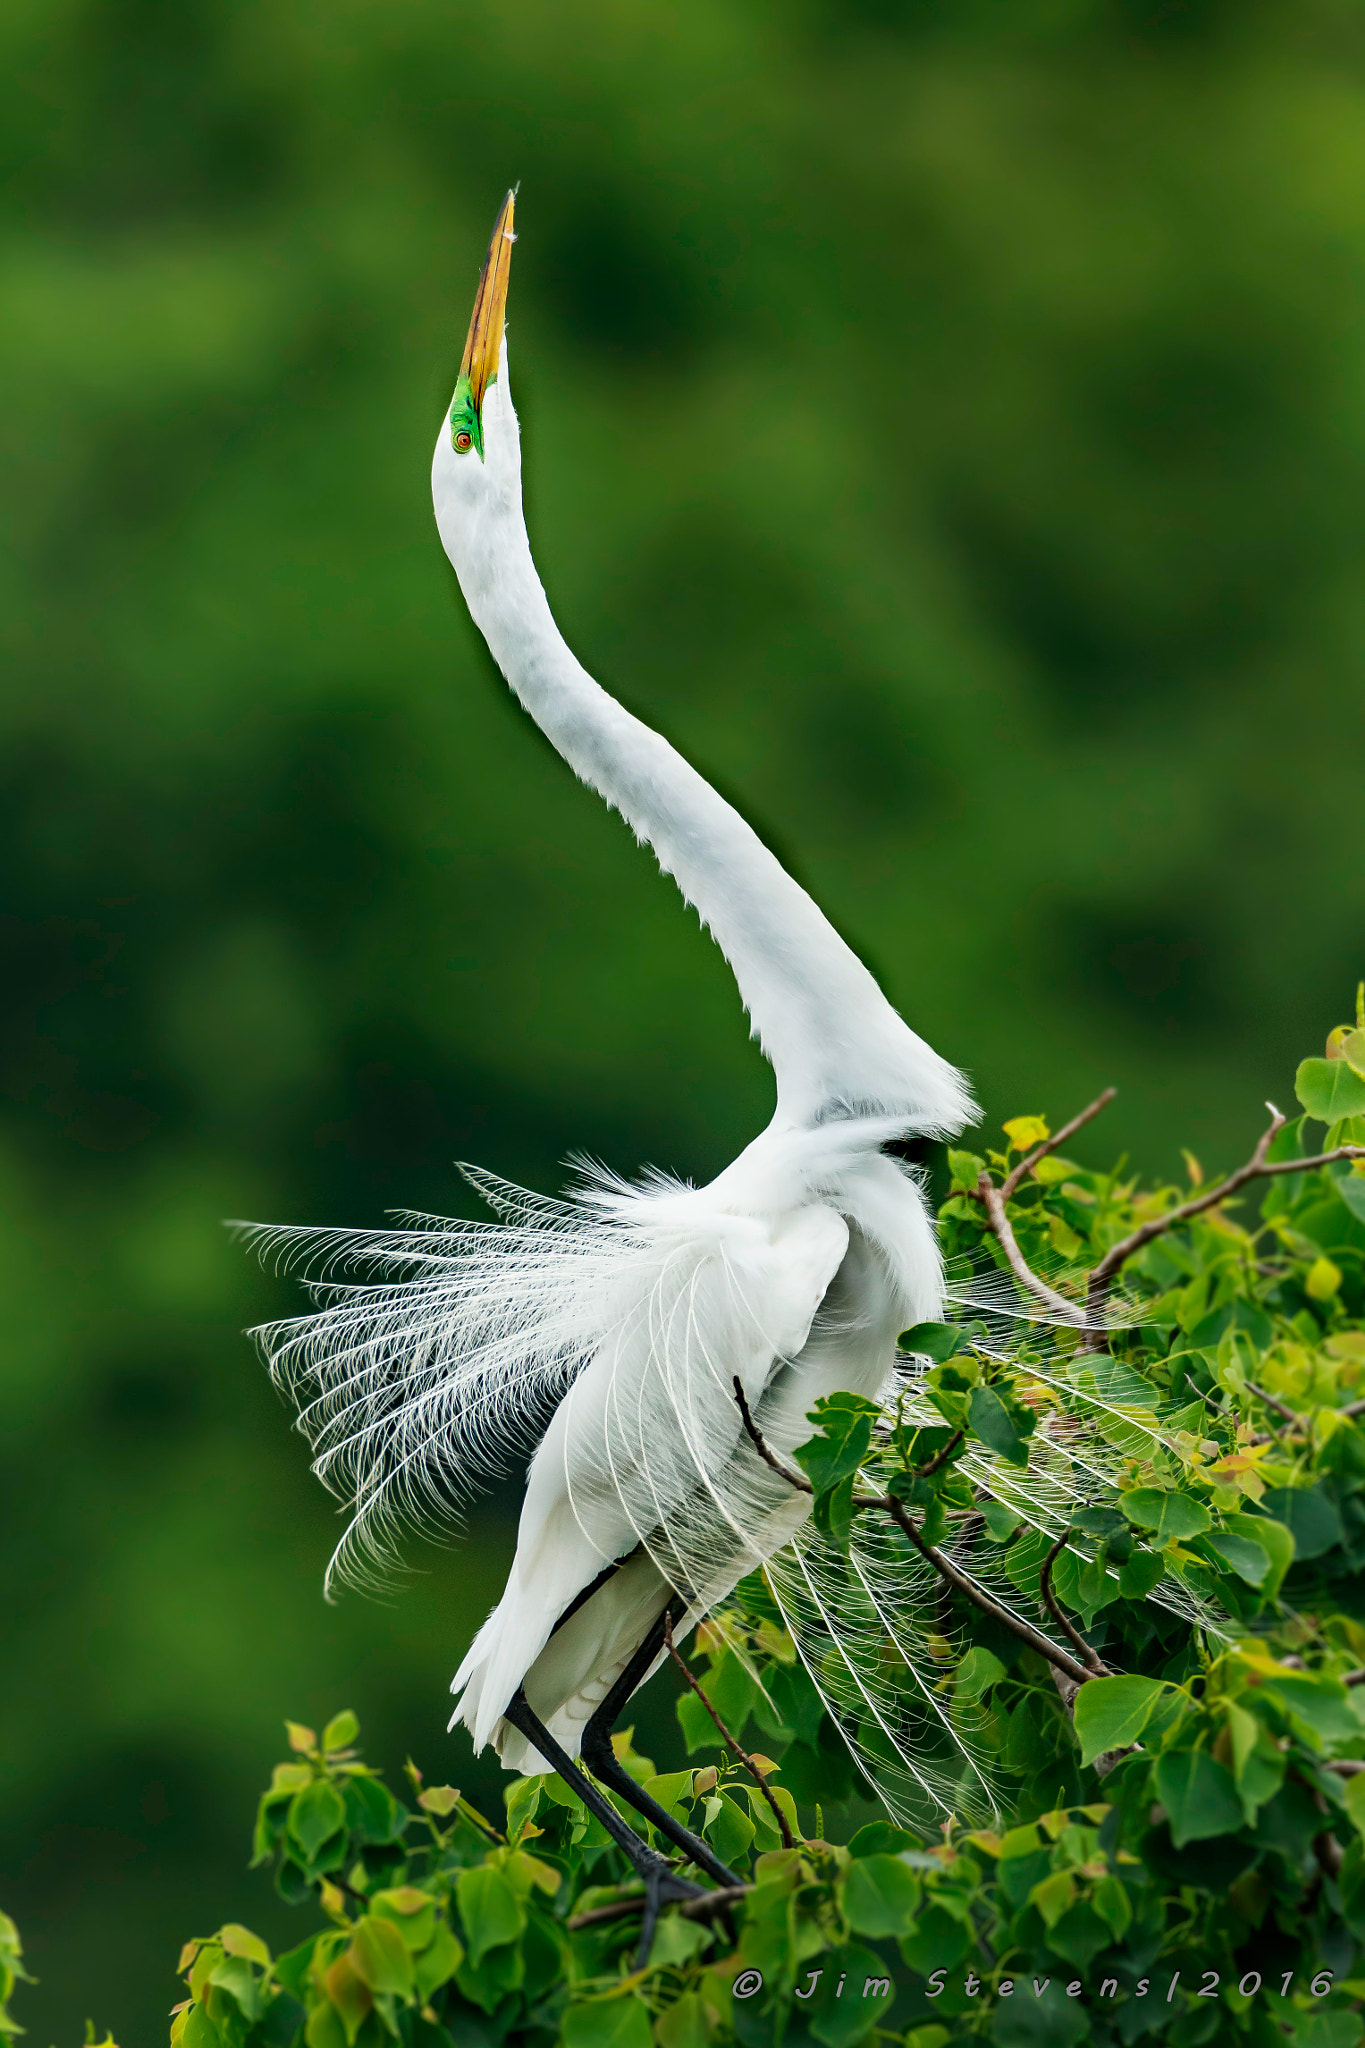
[[490, 1911], [240, 1941], [837, 2021], [1001, 1522], [673, 1789], [522, 1798], [685, 2023], [939, 1341], [1308, 1515], [1003, 1425], [1322, 1703], [728, 1829], [437, 1963], [1139, 1574], [845, 1425], [200, 2031], [1054, 1895], [1273, 1537], [1355, 1802], [1329, 1089], [348, 1993], [607, 2023], [1170, 1516], [1199, 1796], [292, 1968], [675, 1941], [233, 1975], [372, 1812], [315, 1815], [1112, 1712], [412, 1912], [1113, 1905], [379, 1956], [966, 1169], [977, 1673], [1080, 1934], [1242, 1554], [880, 1896], [340, 1732], [698, 1729]]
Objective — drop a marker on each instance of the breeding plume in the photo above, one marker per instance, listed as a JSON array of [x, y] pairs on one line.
[[608, 1330]]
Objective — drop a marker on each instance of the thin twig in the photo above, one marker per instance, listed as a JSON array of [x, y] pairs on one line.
[[717, 1901], [994, 1201], [1353, 1677], [1073, 1635], [936, 1464], [941, 1564], [759, 1778], [1346, 1766], [1027, 1164], [769, 1457], [1256, 1168], [1352, 1408], [970, 1591], [1289, 1414]]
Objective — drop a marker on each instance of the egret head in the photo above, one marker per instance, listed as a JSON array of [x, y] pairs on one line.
[[476, 466], [483, 347]]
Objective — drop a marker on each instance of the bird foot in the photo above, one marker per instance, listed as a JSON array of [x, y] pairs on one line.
[[663, 1887]]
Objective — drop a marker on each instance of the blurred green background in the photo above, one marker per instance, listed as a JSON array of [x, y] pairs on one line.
[[946, 421]]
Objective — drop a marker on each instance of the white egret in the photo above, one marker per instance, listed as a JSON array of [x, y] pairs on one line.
[[609, 1329]]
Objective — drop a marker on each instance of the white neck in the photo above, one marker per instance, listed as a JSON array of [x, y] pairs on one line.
[[836, 1045]]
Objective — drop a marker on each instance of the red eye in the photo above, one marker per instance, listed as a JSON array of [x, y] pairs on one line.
[[464, 442]]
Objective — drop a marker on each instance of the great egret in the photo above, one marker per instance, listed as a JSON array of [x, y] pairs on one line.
[[612, 1326]]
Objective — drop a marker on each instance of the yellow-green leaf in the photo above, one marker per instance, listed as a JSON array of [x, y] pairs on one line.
[[240, 1941], [1024, 1132], [341, 1731]]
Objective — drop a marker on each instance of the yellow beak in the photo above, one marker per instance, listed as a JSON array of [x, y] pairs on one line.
[[483, 347]]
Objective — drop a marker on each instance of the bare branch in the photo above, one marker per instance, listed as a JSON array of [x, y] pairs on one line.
[[1073, 1635], [1256, 1168], [994, 1200], [1289, 1414], [937, 1463], [718, 1901], [788, 1841], [970, 1591], [796, 1479], [1027, 1164], [941, 1564]]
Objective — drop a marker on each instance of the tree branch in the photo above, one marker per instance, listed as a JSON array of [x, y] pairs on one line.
[[718, 1901], [944, 1566], [970, 1591], [1289, 1414], [788, 1841], [755, 1434], [1256, 1168], [1073, 1635], [993, 1199], [1026, 1165]]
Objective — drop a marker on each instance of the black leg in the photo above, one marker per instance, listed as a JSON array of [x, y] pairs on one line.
[[601, 1760], [663, 1886]]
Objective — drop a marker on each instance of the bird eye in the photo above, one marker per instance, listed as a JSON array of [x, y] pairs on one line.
[[464, 442]]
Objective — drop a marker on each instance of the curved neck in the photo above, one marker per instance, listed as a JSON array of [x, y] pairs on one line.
[[835, 1043]]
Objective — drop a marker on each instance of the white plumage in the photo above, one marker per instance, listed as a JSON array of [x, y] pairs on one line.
[[608, 1328]]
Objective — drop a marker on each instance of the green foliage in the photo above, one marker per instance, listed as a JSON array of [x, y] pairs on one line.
[[907, 435], [1198, 1813]]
